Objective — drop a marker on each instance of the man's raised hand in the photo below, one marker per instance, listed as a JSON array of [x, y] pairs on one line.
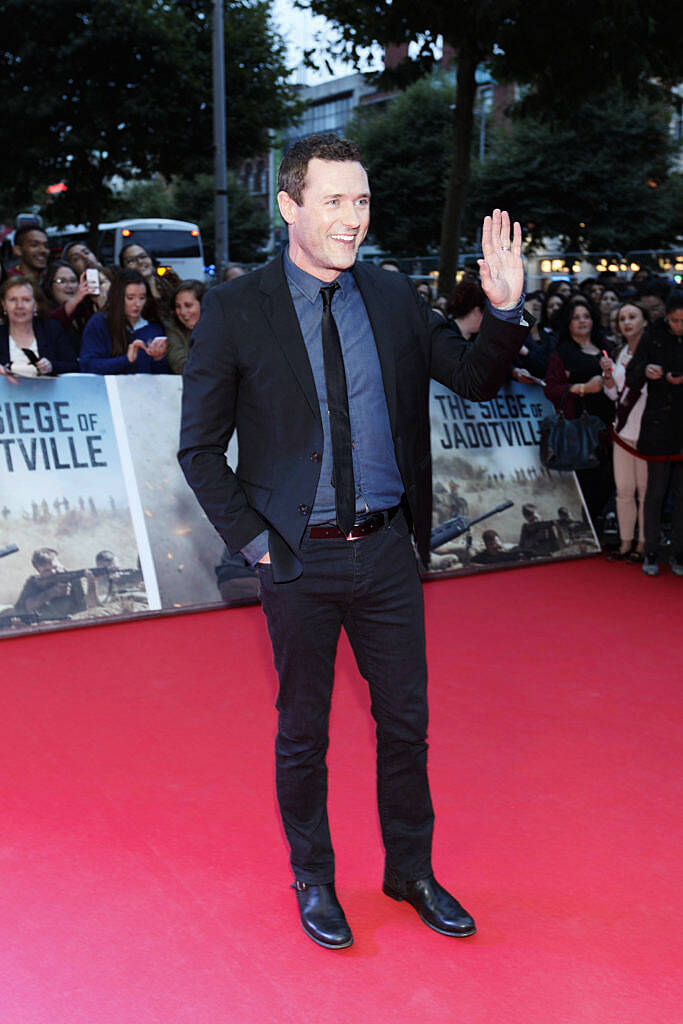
[[501, 270]]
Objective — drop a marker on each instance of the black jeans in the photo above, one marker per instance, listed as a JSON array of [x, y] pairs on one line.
[[658, 476], [371, 588]]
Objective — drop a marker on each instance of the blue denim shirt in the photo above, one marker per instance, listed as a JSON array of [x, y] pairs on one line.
[[376, 476]]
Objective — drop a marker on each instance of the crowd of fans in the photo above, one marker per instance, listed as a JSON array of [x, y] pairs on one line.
[[614, 350], [611, 349], [75, 315]]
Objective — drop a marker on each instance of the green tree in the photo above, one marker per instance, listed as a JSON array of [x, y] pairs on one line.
[[94, 89], [248, 222], [600, 178], [408, 144], [565, 52]]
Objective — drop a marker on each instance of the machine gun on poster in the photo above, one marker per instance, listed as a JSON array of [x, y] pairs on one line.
[[457, 525], [130, 576]]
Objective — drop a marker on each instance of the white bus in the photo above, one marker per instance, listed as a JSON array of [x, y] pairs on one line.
[[172, 243]]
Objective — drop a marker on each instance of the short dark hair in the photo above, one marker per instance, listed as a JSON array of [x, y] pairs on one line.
[[42, 556], [674, 300], [292, 174], [466, 296], [654, 286], [21, 232], [565, 314]]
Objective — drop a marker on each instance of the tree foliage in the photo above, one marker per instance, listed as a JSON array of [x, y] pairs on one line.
[[94, 89], [599, 177], [248, 222], [406, 152], [565, 53]]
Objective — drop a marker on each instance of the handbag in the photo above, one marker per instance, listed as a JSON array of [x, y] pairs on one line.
[[571, 444]]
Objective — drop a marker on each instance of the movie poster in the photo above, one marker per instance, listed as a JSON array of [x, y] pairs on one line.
[[495, 505], [67, 544], [192, 564]]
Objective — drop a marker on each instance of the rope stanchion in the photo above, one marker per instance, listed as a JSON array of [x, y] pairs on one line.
[[640, 455]]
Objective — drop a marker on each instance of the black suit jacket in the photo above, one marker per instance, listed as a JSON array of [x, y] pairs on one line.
[[249, 370], [53, 344]]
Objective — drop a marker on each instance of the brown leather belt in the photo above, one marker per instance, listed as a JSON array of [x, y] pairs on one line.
[[363, 526]]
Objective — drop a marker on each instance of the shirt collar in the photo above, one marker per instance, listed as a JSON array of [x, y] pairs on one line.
[[307, 284]]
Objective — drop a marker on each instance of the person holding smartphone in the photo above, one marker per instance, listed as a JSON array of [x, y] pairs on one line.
[[658, 361], [74, 298], [128, 336]]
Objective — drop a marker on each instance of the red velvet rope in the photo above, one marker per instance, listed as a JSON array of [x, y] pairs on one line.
[[639, 455]]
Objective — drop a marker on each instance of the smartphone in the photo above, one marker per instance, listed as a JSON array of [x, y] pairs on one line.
[[92, 276]]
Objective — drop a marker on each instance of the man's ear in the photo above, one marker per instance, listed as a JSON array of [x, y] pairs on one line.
[[287, 207]]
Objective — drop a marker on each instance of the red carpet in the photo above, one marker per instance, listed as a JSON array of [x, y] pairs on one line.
[[144, 874]]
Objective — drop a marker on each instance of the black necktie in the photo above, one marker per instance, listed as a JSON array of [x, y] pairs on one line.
[[340, 424]]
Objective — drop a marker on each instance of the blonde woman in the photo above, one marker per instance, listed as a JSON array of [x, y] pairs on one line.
[[630, 472]]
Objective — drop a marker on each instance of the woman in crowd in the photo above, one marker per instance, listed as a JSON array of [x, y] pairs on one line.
[[31, 345], [186, 312], [552, 304], [128, 336], [659, 361], [609, 301], [574, 385], [465, 307], [161, 285], [630, 472], [72, 300], [540, 342]]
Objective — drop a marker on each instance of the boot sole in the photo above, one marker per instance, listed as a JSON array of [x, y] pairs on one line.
[[394, 895]]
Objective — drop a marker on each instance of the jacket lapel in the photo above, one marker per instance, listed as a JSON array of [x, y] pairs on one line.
[[279, 311]]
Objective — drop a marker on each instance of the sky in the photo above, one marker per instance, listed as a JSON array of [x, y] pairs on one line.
[[299, 30]]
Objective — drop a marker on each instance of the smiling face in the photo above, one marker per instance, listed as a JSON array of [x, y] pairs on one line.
[[187, 309], [134, 257], [326, 231], [33, 250], [64, 285], [134, 301], [80, 257]]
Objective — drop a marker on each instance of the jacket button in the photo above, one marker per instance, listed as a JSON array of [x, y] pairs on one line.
[[315, 456], [304, 510]]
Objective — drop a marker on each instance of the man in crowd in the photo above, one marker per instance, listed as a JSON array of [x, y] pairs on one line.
[[32, 250], [323, 365]]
